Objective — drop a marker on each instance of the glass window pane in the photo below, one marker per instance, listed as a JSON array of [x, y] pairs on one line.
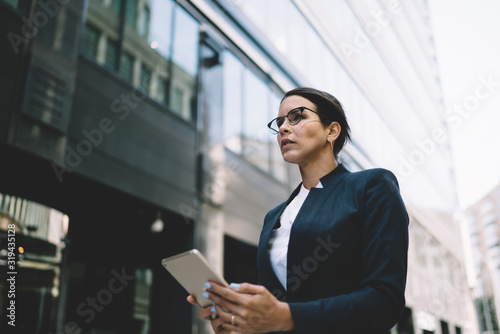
[[131, 13], [145, 79], [115, 5], [255, 132], [186, 42], [233, 70], [89, 42], [177, 98], [297, 33], [160, 91], [151, 47], [276, 28], [111, 50], [144, 22], [160, 26], [100, 42], [185, 65], [126, 67]]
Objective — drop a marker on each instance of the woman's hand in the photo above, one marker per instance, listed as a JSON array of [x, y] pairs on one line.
[[246, 308]]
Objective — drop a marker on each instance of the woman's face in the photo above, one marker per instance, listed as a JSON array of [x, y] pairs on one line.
[[307, 141]]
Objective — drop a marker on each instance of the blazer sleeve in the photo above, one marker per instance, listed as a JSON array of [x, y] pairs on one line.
[[377, 304]]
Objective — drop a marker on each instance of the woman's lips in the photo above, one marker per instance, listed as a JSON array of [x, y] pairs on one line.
[[286, 142]]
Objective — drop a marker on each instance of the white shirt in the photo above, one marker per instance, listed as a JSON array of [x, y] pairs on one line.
[[278, 243]]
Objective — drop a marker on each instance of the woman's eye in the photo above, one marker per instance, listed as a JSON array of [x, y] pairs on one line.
[[295, 117]]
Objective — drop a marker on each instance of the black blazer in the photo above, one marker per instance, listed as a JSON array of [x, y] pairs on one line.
[[347, 256]]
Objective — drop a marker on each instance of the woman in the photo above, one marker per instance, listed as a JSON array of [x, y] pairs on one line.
[[333, 257]]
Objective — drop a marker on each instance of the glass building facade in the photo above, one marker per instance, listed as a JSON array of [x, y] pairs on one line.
[[142, 123], [482, 221]]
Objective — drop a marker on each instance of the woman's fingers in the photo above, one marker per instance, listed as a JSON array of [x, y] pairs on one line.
[[192, 300]]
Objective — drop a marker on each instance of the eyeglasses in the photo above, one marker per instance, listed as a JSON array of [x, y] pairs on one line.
[[294, 116]]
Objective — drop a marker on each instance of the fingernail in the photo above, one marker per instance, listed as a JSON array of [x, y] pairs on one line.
[[234, 286], [208, 285], [212, 309], [213, 303], [205, 295]]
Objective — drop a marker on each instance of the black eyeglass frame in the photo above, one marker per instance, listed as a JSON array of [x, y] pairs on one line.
[[274, 131]]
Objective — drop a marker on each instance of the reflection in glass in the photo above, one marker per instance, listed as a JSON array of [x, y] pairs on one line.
[[255, 133], [111, 53], [115, 5], [185, 64], [145, 48], [145, 79], [276, 27], [144, 22], [131, 12], [89, 42], [233, 70], [161, 88], [126, 67], [160, 27], [186, 42]]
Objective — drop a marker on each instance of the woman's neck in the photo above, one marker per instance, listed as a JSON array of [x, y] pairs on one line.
[[311, 173]]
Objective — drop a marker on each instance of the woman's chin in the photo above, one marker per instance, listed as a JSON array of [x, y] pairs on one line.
[[290, 157]]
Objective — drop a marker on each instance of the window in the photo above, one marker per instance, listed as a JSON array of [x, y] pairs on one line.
[[89, 42], [444, 327], [116, 6], [256, 135], [405, 323], [111, 53], [152, 55], [161, 88], [177, 99], [144, 22], [131, 12], [145, 79], [233, 71], [185, 41], [126, 67], [249, 104], [185, 64], [159, 31]]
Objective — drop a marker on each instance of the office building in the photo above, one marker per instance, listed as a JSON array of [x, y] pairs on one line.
[[483, 226]]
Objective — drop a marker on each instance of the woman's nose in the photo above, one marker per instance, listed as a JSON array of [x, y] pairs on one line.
[[285, 127]]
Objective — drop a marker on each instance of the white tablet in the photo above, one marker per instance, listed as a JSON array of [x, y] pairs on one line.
[[192, 270]]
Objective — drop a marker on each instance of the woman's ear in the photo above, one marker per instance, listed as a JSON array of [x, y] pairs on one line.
[[333, 131]]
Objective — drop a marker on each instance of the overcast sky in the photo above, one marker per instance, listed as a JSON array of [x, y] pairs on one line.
[[467, 37]]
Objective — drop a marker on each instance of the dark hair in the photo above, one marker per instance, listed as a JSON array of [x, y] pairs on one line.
[[329, 110]]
